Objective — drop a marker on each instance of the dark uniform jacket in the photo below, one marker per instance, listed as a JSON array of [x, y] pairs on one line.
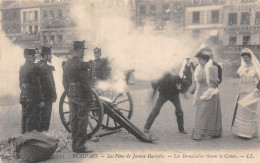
[[100, 69], [169, 85], [30, 82], [219, 71], [76, 80], [47, 80]]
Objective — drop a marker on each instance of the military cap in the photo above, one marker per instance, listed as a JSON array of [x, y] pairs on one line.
[[29, 51], [97, 50], [45, 50], [79, 45]]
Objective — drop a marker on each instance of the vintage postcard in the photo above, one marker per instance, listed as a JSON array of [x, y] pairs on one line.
[[129, 81]]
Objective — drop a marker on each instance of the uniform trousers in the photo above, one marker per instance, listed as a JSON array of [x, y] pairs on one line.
[[30, 115], [46, 116], [156, 110], [79, 124]]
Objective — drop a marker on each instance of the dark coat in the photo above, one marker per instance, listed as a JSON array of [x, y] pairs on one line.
[[219, 71], [76, 80], [29, 78], [100, 69], [47, 80], [169, 85]]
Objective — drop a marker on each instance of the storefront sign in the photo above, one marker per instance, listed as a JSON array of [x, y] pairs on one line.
[[243, 8], [242, 29]]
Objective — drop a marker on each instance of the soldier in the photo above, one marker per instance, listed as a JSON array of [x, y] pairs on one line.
[[77, 85], [31, 97], [99, 67], [48, 87]]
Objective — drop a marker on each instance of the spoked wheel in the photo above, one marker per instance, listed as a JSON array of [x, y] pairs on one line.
[[95, 114], [123, 104]]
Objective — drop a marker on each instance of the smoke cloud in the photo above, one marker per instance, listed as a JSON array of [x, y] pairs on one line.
[[151, 54]]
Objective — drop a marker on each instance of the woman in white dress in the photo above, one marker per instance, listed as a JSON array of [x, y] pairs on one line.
[[208, 120], [246, 113]]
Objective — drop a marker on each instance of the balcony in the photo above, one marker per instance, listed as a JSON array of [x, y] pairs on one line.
[[57, 23], [204, 3], [238, 48]]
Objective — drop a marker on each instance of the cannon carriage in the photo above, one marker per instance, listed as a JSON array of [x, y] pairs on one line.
[[111, 110]]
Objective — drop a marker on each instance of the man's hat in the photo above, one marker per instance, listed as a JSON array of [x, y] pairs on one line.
[[79, 45], [97, 50], [29, 51], [45, 50]]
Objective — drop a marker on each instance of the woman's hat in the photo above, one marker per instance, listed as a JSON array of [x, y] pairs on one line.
[[246, 51], [204, 52]]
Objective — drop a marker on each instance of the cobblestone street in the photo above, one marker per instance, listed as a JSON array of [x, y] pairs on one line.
[[164, 127]]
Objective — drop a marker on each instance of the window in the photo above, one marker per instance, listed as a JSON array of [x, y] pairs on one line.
[[15, 15], [30, 29], [245, 18], [142, 9], [232, 40], [196, 17], [257, 18], [60, 38], [45, 38], [166, 9], [196, 2], [30, 15], [153, 10], [52, 38], [24, 16], [246, 40], [232, 19], [45, 14], [215, 16], [60, 13], [35, 15], [195, 33], [36, 29], [51, 13]]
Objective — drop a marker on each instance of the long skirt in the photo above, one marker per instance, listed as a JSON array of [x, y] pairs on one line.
[[208, 120], [245, 120]]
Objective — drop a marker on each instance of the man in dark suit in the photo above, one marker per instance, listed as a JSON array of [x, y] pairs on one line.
[[169, 87], [31, 97], [48, 87], [77, 85]]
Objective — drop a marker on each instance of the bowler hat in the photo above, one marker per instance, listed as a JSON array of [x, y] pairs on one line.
[[29, 51], [45, 50], [79, 45], [97, 50]]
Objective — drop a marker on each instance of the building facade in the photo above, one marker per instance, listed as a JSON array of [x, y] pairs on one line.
[[159, 14], [242, 26]]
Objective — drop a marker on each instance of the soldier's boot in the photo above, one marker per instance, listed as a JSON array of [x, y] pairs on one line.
[[180, 122]]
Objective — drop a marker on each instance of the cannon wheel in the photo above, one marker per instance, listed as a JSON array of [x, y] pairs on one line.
[[95, 114], [123, 104]]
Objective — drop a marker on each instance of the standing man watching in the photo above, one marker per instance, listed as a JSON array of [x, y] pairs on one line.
[[48, 87], [31, 97], [77, 85]]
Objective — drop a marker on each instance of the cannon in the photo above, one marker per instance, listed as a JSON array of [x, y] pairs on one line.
[[110, 111]]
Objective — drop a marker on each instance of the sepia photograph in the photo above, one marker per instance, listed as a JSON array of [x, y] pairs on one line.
[[129, 81]]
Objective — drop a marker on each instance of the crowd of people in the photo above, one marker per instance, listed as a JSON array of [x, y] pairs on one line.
[[38, 93]]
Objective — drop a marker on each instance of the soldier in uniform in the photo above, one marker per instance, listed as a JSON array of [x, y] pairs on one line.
[[31, 97], [99, 67], [77, 85], [48, 87]]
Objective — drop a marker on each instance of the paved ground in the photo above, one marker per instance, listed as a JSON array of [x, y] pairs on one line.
[[171, 146]]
